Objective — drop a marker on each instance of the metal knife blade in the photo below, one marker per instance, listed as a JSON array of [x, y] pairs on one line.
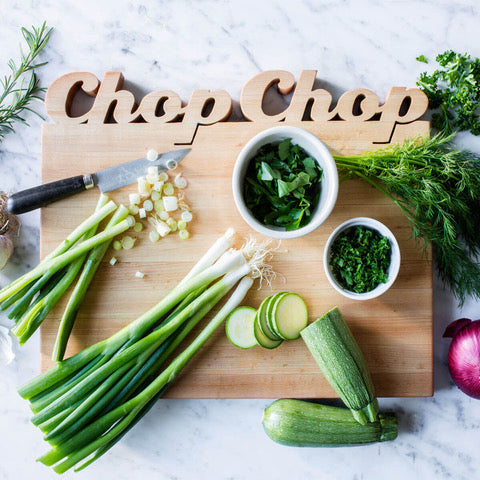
[[127, 173]]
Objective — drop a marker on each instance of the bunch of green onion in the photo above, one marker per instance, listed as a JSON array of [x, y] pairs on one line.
[[86, 403], [30, 298]]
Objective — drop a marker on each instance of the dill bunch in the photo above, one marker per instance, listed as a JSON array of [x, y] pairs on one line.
[[438, 188], [18, 90]]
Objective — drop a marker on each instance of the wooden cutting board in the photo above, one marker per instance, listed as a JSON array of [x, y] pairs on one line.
[[394, 331]]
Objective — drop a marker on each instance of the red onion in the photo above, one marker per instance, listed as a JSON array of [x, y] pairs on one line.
[[464, 355]]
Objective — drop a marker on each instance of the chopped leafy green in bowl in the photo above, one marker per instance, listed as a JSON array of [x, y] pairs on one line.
[[285, 182], [282, 185], [360, 258]]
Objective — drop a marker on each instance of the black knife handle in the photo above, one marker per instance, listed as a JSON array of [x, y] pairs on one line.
[[42, 195]]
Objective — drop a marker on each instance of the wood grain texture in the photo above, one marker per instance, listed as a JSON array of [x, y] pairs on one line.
[[394, 331]]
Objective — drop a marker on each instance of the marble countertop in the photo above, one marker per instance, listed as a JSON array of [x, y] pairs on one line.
[[185, 45]]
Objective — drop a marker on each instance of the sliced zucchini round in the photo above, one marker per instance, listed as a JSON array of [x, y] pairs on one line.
[[239, 327], [262, 319], [289, 316], [269, 313], [262, 339]]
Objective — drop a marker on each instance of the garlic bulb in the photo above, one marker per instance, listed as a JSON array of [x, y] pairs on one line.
[[6, 249]]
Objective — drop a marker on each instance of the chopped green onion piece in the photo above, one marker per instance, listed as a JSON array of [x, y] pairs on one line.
[[154, 236], [152, 155], [157, 187], [171, 164], [148, 205], [139, 274], [128, 242], [168, 189], [152, 179], [183, 234], [187, 216], [142, 213], [163, 215], [134, 198], [134, 209], [180, 182], [117, 245], [143, 186], [138, 227], [181, 225], [162, 228], [113, 261], [130, 220], [183, 205], [163, 177], [172, 224], [170, 203], [155, 196], [152, 170], [158, 206]]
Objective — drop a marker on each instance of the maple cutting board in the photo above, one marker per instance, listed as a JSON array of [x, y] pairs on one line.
[[394, 331]]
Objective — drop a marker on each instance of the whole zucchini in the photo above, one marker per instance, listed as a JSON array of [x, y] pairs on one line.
[[338, 355], [304, 424]]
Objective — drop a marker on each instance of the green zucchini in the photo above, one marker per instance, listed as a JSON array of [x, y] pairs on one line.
[[289, 316], [332, 345], [239, 327], [269, 312], [262, 339], [262, 319], [304, 424]]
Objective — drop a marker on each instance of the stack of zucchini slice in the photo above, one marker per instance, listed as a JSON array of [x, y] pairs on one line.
[[280, 317]]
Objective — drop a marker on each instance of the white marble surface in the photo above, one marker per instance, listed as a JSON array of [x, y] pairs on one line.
[[185, 45]]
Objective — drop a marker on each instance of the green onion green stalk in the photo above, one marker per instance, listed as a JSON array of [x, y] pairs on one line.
[[30, 298], [86, 403]]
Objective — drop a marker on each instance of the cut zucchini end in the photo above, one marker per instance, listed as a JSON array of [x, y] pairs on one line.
[[290, 315], [239, 327], [389, 425], [368, 413]]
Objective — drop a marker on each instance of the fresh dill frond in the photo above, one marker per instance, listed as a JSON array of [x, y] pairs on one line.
[[18, 90], [437, 186]]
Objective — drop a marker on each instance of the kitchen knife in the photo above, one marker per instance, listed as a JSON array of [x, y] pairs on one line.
[[107, 180]]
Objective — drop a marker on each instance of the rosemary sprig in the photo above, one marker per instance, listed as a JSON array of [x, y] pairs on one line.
[[17, 91], [438, 188]]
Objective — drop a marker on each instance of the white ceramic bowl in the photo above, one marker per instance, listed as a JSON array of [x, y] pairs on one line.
[[394, 263], [317, 150]]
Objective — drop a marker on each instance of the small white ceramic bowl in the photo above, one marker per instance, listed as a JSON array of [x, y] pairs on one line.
[[394, 263], [317, 150]]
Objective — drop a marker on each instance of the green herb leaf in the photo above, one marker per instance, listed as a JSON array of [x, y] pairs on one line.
[[17, 93], [437, 186], [282, 184], [284, 188], [421, 58], [269, 173], [284, 149], [360, 258], [454, 89]]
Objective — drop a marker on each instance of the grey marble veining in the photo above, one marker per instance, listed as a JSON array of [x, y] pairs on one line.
[[184, 45]]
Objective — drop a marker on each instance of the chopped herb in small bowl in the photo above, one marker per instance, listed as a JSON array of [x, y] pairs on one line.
[[285, 182], [362, 258]]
